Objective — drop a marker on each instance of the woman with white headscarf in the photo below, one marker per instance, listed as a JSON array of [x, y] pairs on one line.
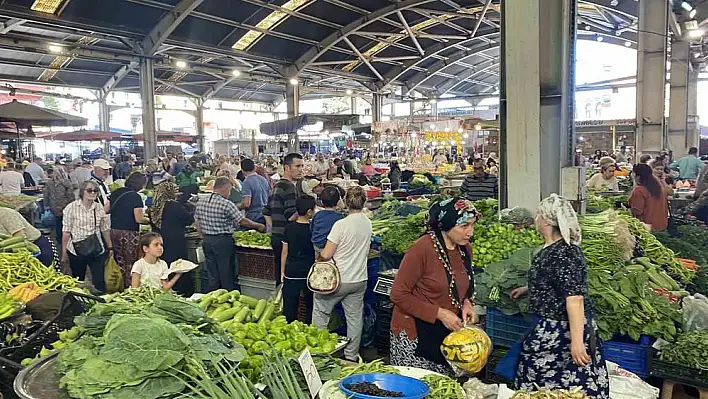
[[561, 350]]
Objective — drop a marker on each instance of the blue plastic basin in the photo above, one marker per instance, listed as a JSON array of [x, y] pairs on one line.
[[410, 387]]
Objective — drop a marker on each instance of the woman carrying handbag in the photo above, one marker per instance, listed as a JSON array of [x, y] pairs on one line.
[[84, 224]]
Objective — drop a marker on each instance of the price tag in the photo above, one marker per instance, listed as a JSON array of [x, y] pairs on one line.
[[309, 370]]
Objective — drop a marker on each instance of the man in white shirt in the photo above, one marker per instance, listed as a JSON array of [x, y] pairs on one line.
[[101, 171], [11, 180], [35, 170], [320, 167], [81, 172]]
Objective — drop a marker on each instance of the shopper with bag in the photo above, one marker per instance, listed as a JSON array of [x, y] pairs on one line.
[[127, 208], [85, 223], [348, 246], [562, 349], [433, 289]]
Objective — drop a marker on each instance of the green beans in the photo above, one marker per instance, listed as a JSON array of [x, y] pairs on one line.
[[442, 387]]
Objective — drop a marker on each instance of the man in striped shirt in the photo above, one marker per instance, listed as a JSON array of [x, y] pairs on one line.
[[281, 206], [479, 184]]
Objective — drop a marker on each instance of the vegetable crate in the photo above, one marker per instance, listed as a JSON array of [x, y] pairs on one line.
[[255, 287], [255, 263], [677, 373], [72, 305], [631, 355], [505, 330]]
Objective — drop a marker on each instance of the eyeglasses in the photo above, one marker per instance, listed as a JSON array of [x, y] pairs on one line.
[[92, 191]]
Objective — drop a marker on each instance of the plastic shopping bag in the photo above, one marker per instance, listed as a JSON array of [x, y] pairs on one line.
[[113, 276], [695, 313], [626, 385]]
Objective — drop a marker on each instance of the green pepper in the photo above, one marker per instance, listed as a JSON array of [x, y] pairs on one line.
[[299, 344], [280, 320], [250, 326], [257, 334], [256, 361], [280, 337], [240, 335], [247, 342], [276, 329], [312, 341], [323, 336], [271, 339], [328, 347], [282, 346]]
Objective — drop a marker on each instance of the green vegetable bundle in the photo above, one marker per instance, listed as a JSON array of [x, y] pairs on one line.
[[690, 350], [15, 201], [443, 387], [500, 278], [137, 349], [21, 267], [625, 304], [607, 232], [657, 251], [403, 233], [683, 247]]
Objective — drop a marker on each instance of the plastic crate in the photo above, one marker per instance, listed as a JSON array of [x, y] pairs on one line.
[[677, 373], [631, 355], [505, 330], [256, 288], [72, 305], [255, 263]]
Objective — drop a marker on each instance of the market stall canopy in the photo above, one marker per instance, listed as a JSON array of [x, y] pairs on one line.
[[8, 131], [25, 115], [164, 136], [292, 125], [81, 135]]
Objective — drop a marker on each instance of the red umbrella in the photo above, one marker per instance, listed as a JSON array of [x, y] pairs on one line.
[[82, 135]]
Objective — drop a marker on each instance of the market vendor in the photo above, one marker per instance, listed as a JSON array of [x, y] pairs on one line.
[[562, 350], [433, 289], [479, 184], [605, 180], [14, 224]]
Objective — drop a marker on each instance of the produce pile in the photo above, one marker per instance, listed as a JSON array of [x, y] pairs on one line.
[[635, 300], [22, 267], [255, 324], [494, 241], [500, 278], [597, 203], [690, 350], [654, 249], [133, 349], [443, 387], [252, 238], [606, 241], [9, 305], [420, 181], [574, 393], [15, 202], [398, 234], [16, 244]]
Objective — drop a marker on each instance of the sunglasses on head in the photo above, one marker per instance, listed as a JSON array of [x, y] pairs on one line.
[[92, 190]]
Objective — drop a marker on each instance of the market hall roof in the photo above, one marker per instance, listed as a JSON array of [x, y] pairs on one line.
[[333, 47]]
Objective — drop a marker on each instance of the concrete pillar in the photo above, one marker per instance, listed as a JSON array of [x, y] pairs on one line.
[[651, 75], [199, 124], [693, 125], [104, 121], [678, 137], [376, 106], [292, 99], [147, 98], [536, 101], [352, 102], [434, 109]]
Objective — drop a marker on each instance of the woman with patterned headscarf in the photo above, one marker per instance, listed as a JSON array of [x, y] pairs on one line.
[[434, 288], [169, 218], [562, 349]]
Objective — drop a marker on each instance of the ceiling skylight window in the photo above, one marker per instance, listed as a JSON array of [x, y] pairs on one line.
[[267, 23]]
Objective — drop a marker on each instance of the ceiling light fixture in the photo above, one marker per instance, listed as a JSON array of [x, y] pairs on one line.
[[466, 135], [181, 64], [432, 126], [478, 127], [686, 6], [236, 73], [628, 44], [349, 92], [433, 101], [54, 48], [294, 82], [695, 33], [48, 6], [599, 38], [692, 13]]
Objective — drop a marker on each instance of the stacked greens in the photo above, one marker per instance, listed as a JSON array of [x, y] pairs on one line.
[[131, 349], [689, 350], [402, 233], [500, 278]]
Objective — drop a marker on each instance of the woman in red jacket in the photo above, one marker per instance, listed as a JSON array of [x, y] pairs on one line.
[[433, 289], [648, 201]]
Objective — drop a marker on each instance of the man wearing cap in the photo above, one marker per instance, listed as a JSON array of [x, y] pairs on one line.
[[99, 175]]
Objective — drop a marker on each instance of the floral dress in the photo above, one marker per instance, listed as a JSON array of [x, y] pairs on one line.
[[558, 271]]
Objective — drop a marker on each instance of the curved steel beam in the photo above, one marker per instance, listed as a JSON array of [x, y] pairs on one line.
[[463, 76], [325, 45], [440, 65], [433, 51]]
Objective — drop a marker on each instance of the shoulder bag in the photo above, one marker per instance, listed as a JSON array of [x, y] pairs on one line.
[[323, 278], [91, 246]]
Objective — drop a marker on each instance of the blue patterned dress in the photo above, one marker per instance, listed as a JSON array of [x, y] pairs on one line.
[[558, 272]]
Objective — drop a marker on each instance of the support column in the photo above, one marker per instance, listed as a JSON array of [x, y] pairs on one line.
[[147, 98], [536, 101], [199, 124], [376, 104], [292, 98], [678, 136], [651, 75], [434, 109], [104, 121], [693, 125], [352, 102]]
